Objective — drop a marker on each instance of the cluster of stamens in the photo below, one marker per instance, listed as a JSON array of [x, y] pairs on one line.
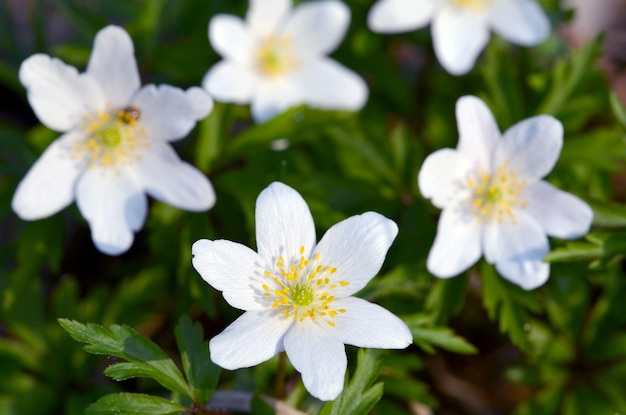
[[473, 5], [302, 289], [275, 56], [496, 196], [112, 138]]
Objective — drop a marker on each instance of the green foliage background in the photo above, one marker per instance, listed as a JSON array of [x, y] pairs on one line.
[[482, 345]]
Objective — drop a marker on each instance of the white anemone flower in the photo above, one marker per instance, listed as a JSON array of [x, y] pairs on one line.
[[114, 147], [493, 199], [276, 58], [297, 295], [460, 28]]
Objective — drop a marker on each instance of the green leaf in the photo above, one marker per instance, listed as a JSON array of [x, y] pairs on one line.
[[507, 303], [608, 214], [133, 404], [200, 371], [427, 337], [125, 343], [358, 397], [618, 108]]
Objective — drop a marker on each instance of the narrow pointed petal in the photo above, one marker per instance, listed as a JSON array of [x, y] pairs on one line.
[[304, 23], [283, 224], [112, 63], [520, 241], [169, 113], [394, 16], [264, 16], [457, 244], [531, 147], [232, 268], [173, 181], [114, 205], [458, 39], [527, 274], [522, 22], [561, 214], [231, 38], [59, 96], [230, 82], [50, 183], [253, 338], [272, 97], [478, 132], [318, 354], [442, 177], [356, 247], [364, 324], [327, 84]]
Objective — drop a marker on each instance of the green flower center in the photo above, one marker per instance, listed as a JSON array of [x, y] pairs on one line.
[[496, 196], [275, 56], [111, 138], [301, 289]]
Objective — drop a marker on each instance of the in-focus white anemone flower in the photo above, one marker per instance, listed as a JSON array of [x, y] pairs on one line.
[[114, 146], [493, 199], [460, 28], [297, 295], [276, 58]]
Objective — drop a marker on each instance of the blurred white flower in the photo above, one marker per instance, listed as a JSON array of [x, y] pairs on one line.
[[276, 58], [114, 146], [460, 28], [493, 199], [297, 294]]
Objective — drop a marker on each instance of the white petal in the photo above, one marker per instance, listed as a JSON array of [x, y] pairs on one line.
[[457, 245], [167, 178], [520, 21], [230, 37], [230, 82], [442, 177], [369, 325], [275, 96], [478, 131], [112, 63], [531, 147], [393, 16], [283, 224], [458, 39], [523, 240], [317, 27], [561, 214], [357, 247], [169, 113], [264, 16], [114, 205], [527, 274], [253, 338], [232, 268], [59, 96], [49, 185], [327, 84], [318, 354]]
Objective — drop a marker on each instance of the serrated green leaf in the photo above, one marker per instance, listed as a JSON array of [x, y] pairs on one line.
[[358, 397], [125, 343], [427, 337], [200, 371], [133, 404]]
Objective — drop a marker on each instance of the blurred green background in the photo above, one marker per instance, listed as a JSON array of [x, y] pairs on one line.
[[482, 345]]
